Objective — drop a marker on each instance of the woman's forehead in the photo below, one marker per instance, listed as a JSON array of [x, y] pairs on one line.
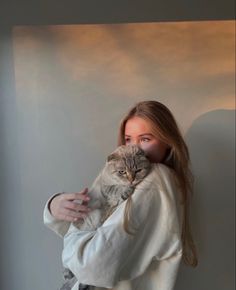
[[138, 126]]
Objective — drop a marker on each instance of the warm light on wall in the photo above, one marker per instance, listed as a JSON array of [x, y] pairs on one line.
[[184, 64]]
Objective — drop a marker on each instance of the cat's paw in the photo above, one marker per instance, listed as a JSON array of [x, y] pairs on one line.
[[128, 192]]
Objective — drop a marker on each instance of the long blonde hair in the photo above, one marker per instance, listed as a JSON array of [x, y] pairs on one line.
[[165, 128]]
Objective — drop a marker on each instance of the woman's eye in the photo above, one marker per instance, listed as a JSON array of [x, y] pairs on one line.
[[145, 139], [127, 141]]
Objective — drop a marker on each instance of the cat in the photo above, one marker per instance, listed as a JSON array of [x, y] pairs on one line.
[[124, 169]]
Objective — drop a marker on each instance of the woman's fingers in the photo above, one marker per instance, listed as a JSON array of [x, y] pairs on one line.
[[70, 216], [75, 206], [73, 214], [70, 206], [82, 195]]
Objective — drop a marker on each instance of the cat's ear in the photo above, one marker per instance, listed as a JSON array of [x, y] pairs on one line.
[[113, 156]]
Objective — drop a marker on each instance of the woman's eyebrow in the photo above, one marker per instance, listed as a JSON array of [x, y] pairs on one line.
[[145, 134]]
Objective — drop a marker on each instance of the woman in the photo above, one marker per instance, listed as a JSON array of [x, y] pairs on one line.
[[151, 259]]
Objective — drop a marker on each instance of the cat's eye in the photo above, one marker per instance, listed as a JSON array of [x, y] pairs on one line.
[[138, 170], [121, 172]]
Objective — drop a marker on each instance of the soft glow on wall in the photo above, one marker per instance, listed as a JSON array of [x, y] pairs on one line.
[[190, 66]]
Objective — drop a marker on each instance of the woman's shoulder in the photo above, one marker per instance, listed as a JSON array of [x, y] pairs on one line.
[[165, 176], [162, 166], [163, 169]]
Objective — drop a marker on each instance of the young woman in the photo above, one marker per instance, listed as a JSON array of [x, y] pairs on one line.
[[109, 257]]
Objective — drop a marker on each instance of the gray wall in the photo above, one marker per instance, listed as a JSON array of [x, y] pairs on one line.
[[30, 254]]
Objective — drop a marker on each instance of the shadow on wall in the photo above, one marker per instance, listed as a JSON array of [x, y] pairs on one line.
[[211, 141]]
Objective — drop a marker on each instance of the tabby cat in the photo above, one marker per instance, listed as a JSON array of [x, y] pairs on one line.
[[126, 167]]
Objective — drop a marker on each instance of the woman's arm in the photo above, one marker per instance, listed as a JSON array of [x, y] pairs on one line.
[[109, 255]]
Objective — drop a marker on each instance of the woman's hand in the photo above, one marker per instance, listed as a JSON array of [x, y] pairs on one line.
[[70, 206]]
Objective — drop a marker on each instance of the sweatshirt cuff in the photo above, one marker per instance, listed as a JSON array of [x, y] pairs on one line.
[[57, 226]]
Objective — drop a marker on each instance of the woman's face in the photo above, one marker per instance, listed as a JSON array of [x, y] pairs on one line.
[[138, 131]]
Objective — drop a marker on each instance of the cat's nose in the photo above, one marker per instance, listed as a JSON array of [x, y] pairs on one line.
[[130, 177]]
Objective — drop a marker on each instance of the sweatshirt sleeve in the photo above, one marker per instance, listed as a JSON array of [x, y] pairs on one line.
[[108, 255], [57, 226]]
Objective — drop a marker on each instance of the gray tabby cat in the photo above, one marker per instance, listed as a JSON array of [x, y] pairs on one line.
[[126, 167]]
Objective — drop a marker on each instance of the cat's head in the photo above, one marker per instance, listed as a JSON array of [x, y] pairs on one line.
[[128, 164]]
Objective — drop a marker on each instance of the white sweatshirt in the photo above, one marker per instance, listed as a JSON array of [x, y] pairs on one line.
[[111, 258]]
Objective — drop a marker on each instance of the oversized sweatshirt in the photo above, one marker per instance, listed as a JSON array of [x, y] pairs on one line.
[[111, 258]]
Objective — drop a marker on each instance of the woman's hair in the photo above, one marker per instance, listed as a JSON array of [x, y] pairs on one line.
[[165, 128]]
